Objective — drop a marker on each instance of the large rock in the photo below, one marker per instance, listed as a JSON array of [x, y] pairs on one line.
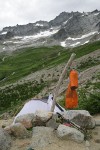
[[26, 120], [41, 117], [18, 130], [53, 122], [42, 136], [81, 118], [5, 140], [68, 133]]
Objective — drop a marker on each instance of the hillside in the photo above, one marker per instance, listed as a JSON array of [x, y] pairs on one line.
[[34, 72]]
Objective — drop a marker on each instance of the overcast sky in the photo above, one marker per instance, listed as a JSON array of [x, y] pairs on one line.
[[14, 12]]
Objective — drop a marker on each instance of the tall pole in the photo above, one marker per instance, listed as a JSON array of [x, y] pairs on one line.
[[60, 80]]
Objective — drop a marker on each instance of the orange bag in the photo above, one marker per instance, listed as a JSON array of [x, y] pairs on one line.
[[73, 79], [71, 94]]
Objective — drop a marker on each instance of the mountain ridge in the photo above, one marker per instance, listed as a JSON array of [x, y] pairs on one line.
[[43, 33]]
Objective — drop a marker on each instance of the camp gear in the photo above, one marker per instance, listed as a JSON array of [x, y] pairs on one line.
[[71, 123], [71, 93], [39, 104]]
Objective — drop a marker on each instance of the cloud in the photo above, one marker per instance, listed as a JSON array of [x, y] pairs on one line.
[[14, 12]]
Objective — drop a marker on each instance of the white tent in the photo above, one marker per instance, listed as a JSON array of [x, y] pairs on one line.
[[39, 104]]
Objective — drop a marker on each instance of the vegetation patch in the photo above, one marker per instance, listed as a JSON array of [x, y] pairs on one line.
[[88, 97], [28, 60], [88, 63], [13, 97]]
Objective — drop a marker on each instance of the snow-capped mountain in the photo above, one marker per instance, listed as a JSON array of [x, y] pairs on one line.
[[67, 29]]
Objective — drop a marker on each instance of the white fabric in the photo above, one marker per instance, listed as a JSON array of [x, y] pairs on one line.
[[33, 105]]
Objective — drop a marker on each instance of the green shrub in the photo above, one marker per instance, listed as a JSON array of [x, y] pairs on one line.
[[12, 96], [89, 101]]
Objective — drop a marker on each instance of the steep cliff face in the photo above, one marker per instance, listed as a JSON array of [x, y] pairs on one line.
[[81, 23], [60, 19]]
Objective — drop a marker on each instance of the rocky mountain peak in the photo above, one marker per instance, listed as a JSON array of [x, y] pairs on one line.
[[60, 18], [95, 11], [64, 27]]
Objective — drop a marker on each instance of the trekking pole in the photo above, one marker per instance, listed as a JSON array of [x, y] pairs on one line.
[[60, 80], [83, 130]]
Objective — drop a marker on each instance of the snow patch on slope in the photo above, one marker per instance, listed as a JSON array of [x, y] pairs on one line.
[[63, 44], [86, 42], [97, 14], [23, 39], [67, 20], [75, 44], [3, 33], [83, 36], [37, 24], [40, 35], [6, 42]]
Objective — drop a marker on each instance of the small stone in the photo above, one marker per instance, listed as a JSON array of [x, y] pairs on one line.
[[97, 141], [97, 122], [5, 116], [8, 129], [87, 143], [95, 133], [17, 130], [55, 116], [26, 120], [3, 126], [30, 148], [87, 148]]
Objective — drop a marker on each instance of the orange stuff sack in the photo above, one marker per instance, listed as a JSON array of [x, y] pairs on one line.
[[73, 79], [71, 94]]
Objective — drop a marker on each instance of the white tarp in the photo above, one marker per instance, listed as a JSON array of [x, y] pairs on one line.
[[33, 105]]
